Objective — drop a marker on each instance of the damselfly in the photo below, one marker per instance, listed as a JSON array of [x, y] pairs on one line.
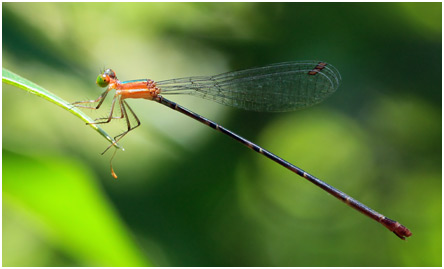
[[274, 88]]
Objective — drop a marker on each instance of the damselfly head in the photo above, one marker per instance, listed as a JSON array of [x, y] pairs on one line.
[[104, 79]]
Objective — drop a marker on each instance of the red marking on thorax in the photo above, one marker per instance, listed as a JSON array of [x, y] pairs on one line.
[[140, 89]]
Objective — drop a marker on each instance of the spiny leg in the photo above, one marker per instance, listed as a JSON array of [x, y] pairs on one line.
[[123, 115], [120, 136], [106, 118], [110, 117], [100, 99]]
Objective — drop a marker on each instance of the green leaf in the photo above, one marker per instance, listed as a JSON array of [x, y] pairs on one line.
[[22, 83]]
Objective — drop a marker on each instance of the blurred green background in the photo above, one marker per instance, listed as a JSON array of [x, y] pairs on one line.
[[189, 196]]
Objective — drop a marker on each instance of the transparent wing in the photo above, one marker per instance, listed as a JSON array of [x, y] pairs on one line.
[[274, 88]]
